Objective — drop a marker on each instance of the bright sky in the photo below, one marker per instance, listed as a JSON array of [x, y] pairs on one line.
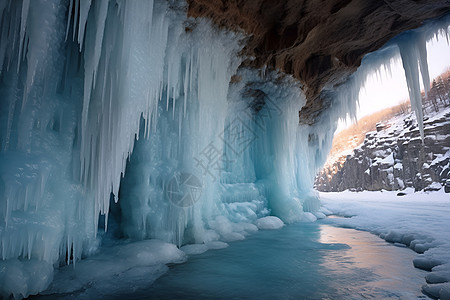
[[387, 91]]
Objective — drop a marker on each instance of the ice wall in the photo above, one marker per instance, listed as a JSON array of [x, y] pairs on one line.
[[130, 101], [243, 156]]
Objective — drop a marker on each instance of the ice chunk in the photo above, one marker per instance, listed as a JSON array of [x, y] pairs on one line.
[[194, 249], [24, 278], [139, 261], [309, 217], [269, 222], [320, 215], [438, 291], [215, 245]]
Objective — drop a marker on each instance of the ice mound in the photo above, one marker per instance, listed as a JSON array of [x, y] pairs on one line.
[[438, 291], [24, 278], [194, 249], [309, 217], [215, 245], [139, 263], [270, 222]]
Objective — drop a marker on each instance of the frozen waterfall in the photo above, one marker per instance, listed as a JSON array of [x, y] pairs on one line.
[[134, 105]]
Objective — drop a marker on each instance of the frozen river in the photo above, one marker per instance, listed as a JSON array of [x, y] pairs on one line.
[[301, 261], [320, 260]]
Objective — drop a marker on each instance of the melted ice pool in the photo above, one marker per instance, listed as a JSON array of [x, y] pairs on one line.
[[302, 261]]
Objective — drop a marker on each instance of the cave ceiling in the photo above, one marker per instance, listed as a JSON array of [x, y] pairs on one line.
[[318, 42]]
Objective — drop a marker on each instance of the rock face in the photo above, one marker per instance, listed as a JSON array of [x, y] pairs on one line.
[[318, 42], [394, 158]]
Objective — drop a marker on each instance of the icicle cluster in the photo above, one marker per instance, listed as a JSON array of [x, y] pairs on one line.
[[410, 48], [84, 83], [76, 79]]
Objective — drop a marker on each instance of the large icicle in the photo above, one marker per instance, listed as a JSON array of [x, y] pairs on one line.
[[414, 55]]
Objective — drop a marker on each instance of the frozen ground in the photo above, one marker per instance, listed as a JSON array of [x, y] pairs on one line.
[[420, 221]]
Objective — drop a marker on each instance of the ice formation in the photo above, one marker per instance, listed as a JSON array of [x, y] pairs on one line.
[[131, 102], [410, 48]]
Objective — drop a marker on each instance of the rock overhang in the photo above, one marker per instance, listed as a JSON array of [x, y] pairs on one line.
[[320, 43]]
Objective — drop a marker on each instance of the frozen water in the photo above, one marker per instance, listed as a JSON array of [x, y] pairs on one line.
[[194, 249], [130, 263], [269, 222], [417, 220], [302, 261], [21, 278], [131, 102]]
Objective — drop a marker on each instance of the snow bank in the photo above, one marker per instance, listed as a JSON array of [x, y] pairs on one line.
[[419, 221]]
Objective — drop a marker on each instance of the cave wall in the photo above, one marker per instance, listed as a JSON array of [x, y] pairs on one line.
[[318, 42]]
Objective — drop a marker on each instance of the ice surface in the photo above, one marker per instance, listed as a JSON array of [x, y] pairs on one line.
[[417, 220], [131, 263]]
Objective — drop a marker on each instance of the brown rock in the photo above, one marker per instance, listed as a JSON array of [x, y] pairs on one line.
[[319, 42]]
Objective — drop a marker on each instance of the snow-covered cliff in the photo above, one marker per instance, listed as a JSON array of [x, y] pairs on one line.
[[394, 157]]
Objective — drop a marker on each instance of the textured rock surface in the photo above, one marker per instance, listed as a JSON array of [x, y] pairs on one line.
[[394, 158], [318, 42]]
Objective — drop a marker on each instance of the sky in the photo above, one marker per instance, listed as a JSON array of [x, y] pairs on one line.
[[387, 91]]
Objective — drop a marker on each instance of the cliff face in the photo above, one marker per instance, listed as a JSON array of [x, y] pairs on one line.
[[318, 42], [394, 158]]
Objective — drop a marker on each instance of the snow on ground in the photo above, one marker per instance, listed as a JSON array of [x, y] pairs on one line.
[[420, 221]]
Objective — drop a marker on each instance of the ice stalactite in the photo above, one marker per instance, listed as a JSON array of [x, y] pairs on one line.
[[410, 48], [413, 51], [414, 59]]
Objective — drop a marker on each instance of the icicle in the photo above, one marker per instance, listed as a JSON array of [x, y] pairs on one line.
[[69, 18], [94, 43], [411, 55], [423, 62], [76, 18], [85, 6], [3, 5], [23, 26]]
